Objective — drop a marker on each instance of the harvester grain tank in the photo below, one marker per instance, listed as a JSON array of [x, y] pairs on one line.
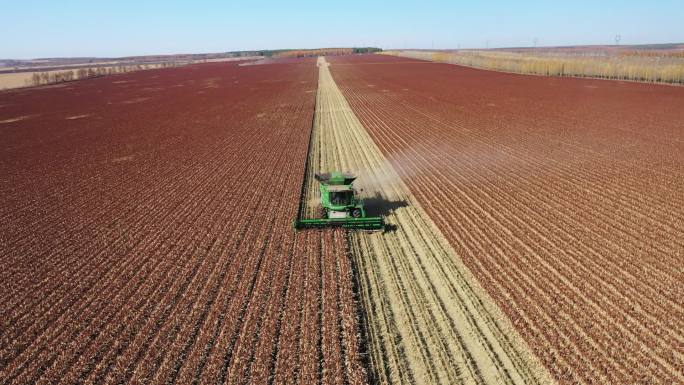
[[341, 205]]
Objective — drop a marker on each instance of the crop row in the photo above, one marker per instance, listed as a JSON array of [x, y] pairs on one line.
[[156, 244], [573, 239]]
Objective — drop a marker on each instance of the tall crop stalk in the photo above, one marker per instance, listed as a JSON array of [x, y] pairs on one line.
[[667, 68]]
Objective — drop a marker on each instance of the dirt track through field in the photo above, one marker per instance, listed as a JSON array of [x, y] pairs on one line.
[[427, 319]]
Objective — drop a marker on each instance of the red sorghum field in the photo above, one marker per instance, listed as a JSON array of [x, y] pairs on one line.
[[562, 196], [145, 233]]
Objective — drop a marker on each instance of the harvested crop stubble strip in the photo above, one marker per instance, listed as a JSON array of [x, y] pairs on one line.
[[413, 310], [428, 319]]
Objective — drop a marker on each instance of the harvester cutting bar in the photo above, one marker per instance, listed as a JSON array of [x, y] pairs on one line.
[[366, 223]]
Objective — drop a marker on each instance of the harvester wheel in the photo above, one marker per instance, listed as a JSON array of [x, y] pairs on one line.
[[356, 213]]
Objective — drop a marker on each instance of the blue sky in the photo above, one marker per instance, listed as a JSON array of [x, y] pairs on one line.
[[31, 29]]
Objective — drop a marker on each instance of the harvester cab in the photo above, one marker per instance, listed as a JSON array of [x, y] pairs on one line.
[[341, 205]]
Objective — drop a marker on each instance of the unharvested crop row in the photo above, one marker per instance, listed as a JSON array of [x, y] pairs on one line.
[[488, 234], [174, 237], [158, 247], [472, 175], [179, 234], [561, 232]]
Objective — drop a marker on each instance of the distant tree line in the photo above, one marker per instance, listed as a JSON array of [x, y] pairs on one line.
[[366, 50], [53, 77], [318, 52]]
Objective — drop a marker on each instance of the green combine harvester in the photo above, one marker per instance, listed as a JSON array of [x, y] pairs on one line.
[[340, 205]]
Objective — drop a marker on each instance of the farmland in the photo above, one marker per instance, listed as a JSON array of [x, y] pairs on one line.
[[145, 233], [563, 197], [535, 227]]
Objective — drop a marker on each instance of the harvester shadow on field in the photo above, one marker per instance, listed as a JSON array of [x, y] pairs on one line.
[[379, 206]]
